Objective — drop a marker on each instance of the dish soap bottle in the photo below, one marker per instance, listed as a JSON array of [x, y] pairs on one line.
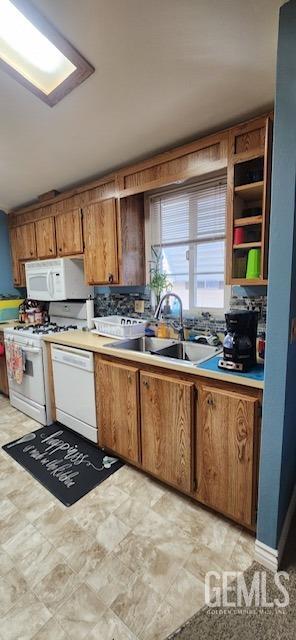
[[162, 330]]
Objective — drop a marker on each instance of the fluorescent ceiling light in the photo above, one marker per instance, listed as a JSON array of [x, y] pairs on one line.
[[36, 54], [29, 52]]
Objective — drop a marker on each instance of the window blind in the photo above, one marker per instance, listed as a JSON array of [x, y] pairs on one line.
[[188, 227], [191, 215]]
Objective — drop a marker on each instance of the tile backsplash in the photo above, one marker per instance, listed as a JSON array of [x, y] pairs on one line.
[[121, 301], [113, 302]]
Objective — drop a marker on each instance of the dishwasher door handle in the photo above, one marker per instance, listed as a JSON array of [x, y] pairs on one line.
[[73, 358]]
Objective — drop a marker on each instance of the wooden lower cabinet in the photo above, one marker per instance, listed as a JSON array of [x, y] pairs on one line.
[[166, 428], [3, 371], [226, 461], [202, 438], [118, 408]]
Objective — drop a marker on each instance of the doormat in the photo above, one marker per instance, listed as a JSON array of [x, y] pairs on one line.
[[62, 461]]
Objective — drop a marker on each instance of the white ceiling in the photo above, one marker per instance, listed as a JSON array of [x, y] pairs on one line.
[[166, 71]]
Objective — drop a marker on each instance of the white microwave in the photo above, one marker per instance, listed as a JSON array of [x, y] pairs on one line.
[[58, 279]]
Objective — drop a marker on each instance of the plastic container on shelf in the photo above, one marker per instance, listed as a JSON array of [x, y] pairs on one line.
[[253, 264], [239, 235]]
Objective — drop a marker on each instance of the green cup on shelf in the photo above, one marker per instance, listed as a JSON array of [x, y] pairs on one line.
[[253, 264]]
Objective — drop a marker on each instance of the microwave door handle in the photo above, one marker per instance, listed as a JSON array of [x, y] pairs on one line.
[[50, 283]]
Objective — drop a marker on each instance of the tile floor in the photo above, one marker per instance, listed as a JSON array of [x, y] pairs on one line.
[[126, 562]]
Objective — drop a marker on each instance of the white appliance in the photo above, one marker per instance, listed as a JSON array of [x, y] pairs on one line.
[[32, 395], [57, 279], [74, 388]]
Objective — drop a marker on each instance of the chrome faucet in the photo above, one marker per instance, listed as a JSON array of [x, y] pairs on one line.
[[180, 327]]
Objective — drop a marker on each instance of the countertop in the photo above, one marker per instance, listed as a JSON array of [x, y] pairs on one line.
[[99, 344], [6, 325]]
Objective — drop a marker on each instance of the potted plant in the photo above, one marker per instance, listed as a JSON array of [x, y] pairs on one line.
[[159, 281]]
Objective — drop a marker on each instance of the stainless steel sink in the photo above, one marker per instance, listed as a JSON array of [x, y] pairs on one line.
[[189, 352], [144, 344], [165, 348]]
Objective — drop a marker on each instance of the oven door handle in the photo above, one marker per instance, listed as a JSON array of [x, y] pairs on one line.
[[23, 347]]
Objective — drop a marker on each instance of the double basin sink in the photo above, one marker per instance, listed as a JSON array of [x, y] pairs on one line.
[[166, 348]]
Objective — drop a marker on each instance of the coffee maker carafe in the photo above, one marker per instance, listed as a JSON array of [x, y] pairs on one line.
[[239, 346]]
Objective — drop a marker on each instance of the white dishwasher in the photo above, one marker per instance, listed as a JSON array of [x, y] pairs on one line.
[[74, 387]]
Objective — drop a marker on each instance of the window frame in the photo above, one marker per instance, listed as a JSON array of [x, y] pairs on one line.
[[218, 312]]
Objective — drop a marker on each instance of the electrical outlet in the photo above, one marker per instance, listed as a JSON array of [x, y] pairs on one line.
[[139, 306], [293, 330]]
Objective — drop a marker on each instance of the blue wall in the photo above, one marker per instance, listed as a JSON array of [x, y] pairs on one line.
[[6, 280], [278, 445]]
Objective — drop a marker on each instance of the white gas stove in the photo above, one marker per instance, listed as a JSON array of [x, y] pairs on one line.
[[33, 333], [32, 395]]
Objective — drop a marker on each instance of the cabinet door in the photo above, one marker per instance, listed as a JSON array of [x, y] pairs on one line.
[[226, 429], [45, 238], [69, 233], [26, 241], [3, 371], [166, 428], [22, 277], [14, 256], [118, 407], [100, 237]]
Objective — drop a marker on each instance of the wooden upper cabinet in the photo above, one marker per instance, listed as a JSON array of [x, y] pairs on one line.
[[248, 138], [100, 238], [45, 238], [226, 464], [13, 236], [248, 208], [118, 408], [166, 428], [25, 239], [69, 237], [131, 240], [195, 159]]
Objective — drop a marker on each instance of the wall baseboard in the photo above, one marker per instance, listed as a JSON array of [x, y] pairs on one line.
[[269, 557]]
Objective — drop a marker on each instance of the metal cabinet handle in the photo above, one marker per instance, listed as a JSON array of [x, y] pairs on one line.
[[110, 277], [129, 377], [210, 402], [145, 383]]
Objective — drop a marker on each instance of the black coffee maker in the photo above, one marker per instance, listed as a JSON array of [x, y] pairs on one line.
[[239, 346]]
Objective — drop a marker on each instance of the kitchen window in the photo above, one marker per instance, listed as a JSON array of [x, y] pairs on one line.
[[187, 231]]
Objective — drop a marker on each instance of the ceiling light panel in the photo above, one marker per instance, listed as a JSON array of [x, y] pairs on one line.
[[34, 58]]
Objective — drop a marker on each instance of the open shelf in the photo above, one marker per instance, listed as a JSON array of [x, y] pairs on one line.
[[249, 202], [243, 222], [251, 191], [243, 282], [247, 245]]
